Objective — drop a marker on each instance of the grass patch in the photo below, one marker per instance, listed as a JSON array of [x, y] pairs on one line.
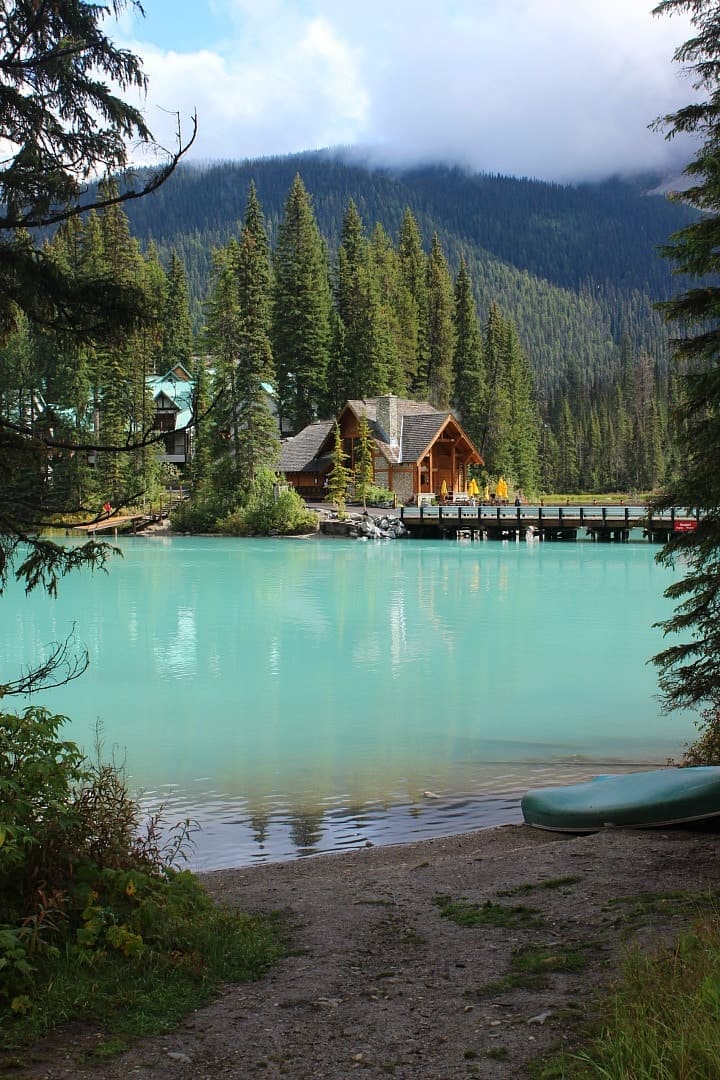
[[667, 904], [530, 967], [486, 914], [550, 883], [108, 1048], [143, 995], [532, 961], [662, 1022]]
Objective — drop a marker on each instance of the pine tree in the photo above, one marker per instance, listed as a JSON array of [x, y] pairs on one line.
[[201, 459], [440, 328], [223, 331], [364, 471], [366, 364], [259, 445], [567, 459], [178, 343], [395, 307], [496, 406], [155, 329], [238, 334], [72, 384], [126, 408], [523, 463], [690, 669], [339, 475], [469, 386], [412, 262], [302, 305]]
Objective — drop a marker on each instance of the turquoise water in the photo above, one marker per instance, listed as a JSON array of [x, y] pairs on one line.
[[295, 696]]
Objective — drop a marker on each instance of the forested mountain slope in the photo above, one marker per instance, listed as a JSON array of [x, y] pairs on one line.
[[576, 268]]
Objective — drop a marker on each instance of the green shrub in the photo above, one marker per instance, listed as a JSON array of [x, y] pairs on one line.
[[92, 897], [197, 514], [380, 496], [269, 511]]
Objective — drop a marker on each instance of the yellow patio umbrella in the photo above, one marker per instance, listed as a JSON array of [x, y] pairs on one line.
[[443, 489], [501, 488], [486, 492], [473, 489]]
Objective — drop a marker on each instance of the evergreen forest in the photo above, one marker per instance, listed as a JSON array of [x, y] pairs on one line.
[[526, 307]]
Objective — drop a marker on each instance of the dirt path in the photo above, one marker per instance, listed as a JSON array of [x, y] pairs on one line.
[[380, 983]]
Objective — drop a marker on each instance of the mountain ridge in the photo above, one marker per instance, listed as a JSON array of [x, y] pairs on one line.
[[575, 266]]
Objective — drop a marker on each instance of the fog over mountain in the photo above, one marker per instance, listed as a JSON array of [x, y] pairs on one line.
[[553, 89]]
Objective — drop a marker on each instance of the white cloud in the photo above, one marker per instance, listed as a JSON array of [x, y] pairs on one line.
[[554, 88], [293, 91]]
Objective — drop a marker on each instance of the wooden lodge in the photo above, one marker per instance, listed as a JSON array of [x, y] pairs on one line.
[[419, 453], [172, 394]]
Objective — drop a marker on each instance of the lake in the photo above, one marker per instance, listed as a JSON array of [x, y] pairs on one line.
[[296, 696]]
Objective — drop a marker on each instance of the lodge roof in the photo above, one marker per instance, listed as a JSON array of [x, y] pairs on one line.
[[299, 453], [419, 424], [418, 432], [177, 386]]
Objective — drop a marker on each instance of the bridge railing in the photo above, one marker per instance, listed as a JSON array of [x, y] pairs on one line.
[[632, 516]]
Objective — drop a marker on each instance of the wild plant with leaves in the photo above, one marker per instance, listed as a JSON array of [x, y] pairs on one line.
[[94, 894]]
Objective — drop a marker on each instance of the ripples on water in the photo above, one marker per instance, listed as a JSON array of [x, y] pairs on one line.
[[227, 832], [294, 697]]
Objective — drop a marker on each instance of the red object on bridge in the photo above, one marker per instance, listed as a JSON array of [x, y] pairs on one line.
[[684, 525]]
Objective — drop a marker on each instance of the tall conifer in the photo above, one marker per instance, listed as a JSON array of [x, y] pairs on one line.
[[440, 328], [302, 304], [259, 444], [469, 388], [239, 337], [178, 344], [339, 475], [412, 262], [364, 472]]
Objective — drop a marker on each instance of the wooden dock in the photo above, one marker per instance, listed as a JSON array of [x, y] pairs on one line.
[[114, 524], [601, 523]]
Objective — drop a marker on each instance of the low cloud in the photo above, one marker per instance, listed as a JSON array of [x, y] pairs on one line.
[[558, 89]]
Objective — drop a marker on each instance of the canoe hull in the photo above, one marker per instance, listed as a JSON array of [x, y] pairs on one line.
[[640, 800]]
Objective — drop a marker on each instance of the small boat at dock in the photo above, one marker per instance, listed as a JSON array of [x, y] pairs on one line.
[[637, 800]]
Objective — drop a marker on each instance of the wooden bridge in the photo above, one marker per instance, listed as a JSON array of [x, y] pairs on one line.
[[121, 523], [603, 523]]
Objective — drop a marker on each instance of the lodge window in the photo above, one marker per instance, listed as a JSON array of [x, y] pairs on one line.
[[164, 421]]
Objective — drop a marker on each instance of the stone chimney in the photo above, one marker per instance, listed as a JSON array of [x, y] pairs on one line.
[[388, 418]]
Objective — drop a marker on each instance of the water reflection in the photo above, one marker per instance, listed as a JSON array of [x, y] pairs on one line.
[[294, 697], [231, 833]]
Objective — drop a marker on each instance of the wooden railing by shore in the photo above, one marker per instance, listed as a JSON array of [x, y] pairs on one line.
[[559, 522]]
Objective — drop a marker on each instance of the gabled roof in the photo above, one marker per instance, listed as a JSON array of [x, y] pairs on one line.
[[418, 432], [179, 391], [405, 407], [179, 372], [299, 453], [420, 423]]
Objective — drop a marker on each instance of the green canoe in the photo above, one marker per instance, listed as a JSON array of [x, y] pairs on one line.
[[639, 800]]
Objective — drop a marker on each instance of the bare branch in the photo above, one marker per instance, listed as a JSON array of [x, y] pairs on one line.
[[66, 661]]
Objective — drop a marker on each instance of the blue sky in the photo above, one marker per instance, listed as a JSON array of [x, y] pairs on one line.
[[558, 89]]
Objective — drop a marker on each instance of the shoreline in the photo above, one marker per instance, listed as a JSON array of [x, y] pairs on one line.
[[377, 979]]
